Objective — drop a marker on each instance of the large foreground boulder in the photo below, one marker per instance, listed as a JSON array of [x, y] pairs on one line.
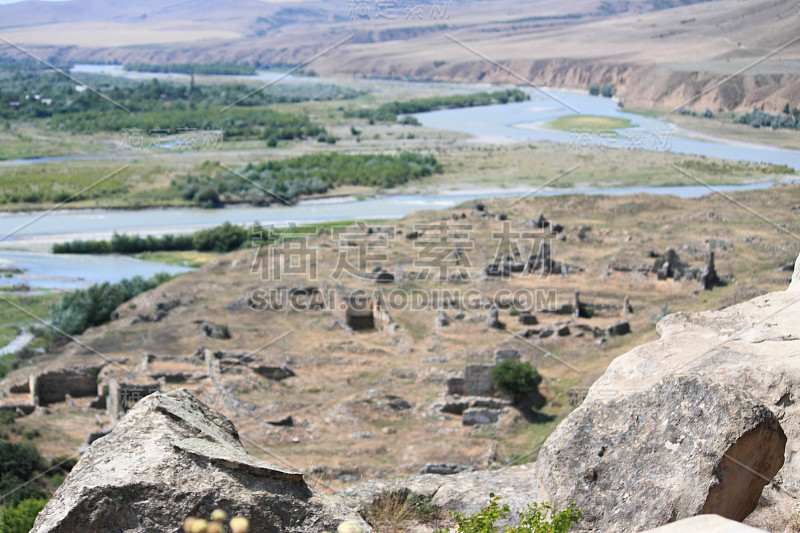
[[680, 448], [751, 347], [706, 523], [171, 457]]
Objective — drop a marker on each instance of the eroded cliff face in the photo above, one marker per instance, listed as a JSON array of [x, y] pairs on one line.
[[638, 85]]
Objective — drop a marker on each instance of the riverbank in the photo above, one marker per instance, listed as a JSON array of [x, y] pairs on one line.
[[467, 141]]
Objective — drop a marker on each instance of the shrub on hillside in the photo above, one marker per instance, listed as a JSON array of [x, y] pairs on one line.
[[222, 238], [79, 310], [517, 379], [18, 462]]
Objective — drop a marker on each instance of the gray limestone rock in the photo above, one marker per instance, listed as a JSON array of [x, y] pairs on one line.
[[171, 457], [682, 447]]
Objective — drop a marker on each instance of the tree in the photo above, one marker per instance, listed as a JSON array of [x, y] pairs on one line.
[[222, 238], [19, 518], [516, 379], [18, 462], [207, 197]]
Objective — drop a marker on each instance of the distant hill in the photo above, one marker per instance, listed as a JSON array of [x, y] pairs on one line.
[[657, 53]]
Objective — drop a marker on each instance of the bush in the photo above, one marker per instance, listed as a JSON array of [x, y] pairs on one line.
[[79, 310], [19, 460], [18, 463], [19, 518], [759, 119], [207, 197], [194, 68], [222, 238], [535, 519], [389, 111], [517, 379]]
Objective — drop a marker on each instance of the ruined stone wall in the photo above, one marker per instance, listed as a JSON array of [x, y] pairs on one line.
[[53, 386], [478, 380], [123, 396]]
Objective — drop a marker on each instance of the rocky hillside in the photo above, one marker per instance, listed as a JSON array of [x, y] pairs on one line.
[[699, 421], [404, 386]]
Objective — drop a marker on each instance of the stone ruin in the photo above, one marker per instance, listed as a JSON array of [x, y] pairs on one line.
[[215, 331], [671, 266], [121, 397], [442, 319], [472, 396], [477, 381], [161, 312], [361, 312], [542, 262], [708, 277], [526, 318], [54, 386], [492, 318]]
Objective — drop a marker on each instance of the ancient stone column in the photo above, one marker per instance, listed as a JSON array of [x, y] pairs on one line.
[[627, 309], [576, 305], [709, 276]]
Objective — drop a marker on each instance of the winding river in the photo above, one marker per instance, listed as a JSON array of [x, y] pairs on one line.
[[25, 238]]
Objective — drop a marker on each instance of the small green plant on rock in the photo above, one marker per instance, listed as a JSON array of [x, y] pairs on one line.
[[537, 518]]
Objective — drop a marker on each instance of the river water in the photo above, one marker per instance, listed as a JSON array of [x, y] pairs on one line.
[[25, 238]]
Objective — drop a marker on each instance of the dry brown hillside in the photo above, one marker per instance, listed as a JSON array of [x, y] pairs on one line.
[[658, 56], [368, 403]]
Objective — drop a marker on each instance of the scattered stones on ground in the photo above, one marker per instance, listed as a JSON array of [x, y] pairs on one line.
[[445, 469]]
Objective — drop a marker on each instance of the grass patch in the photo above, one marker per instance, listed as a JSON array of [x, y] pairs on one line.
[[392, 511], [11, 317], [191, 259], [725, 167], [592, 123]]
